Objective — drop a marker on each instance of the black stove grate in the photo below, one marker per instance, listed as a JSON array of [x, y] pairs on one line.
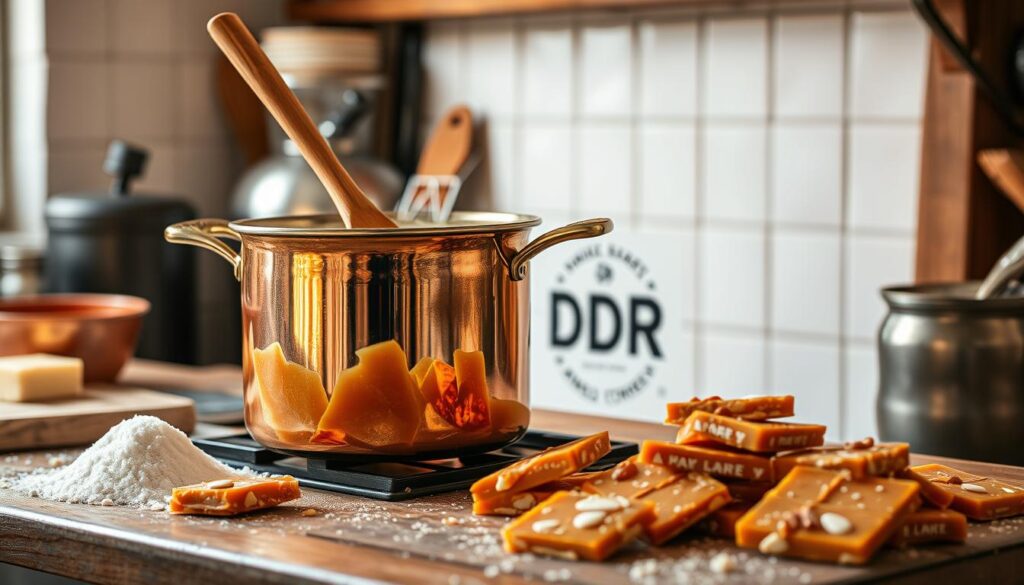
[[393, 481]]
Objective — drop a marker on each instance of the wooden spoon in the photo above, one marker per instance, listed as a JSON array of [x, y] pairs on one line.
[[239, 46]]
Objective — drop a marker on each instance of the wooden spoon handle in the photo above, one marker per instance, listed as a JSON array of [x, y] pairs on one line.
[[239, 46]]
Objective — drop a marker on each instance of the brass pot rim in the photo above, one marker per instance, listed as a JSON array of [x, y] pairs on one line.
[[329, 226]]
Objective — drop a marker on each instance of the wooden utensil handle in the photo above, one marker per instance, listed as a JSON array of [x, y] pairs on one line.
[[240, 47]]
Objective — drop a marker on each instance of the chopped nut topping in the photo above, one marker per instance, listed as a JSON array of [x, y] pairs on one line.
[[865, 443], [220, 484], [973, 487], [773, 544], [545, 525], [524, 502], [808, 517], [599, 504], [589, 519], [624, 471], [834, 523]]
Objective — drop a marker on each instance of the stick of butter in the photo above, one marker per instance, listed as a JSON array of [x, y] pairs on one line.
[[39, 376]]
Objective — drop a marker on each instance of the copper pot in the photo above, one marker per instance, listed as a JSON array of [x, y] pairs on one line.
[[323, 292]]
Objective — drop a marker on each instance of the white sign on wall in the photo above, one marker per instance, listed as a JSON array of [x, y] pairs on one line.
[[607, 328]]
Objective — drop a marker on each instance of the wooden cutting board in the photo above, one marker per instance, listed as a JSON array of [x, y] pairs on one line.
[[82, 420]]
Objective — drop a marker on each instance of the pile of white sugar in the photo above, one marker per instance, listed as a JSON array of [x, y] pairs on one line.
[[136, 463]]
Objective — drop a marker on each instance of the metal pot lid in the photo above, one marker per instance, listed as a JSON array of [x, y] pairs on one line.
[[95, 209], [955, 296], [329, 225]]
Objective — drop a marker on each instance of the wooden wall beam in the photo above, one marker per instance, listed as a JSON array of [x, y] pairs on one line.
[[964, 221]]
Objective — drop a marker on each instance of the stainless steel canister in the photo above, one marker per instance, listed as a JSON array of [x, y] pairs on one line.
[[952, 372]]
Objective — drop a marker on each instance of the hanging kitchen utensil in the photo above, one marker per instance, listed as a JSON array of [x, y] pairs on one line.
[[444, 164], [1005, 167], [1008, 268], [238, 44]]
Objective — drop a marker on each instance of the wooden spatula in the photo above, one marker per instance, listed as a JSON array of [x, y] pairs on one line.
[[239, 46], [449, 144]]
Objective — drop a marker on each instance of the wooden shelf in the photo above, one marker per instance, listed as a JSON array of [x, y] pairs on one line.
[[410, 10]]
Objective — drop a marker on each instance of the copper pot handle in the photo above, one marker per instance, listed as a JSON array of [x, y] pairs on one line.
[[588, 228], [205, 233]]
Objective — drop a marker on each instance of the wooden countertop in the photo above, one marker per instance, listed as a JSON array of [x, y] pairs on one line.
[[355, 540]]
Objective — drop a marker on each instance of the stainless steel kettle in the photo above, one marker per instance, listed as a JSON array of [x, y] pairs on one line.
[[952, 372]]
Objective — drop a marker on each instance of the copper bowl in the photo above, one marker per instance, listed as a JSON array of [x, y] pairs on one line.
[[100, 329]]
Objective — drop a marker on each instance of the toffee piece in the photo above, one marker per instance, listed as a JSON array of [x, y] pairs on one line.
[[861, 459], [821, 515], [631, 478], [748, 491], [518, 503], [721, 462], [932, 493], [546, 466], [760, 437], [227, 497], [722, 522], [978, 497], [681, 504], [752, 408], [573, 526], [929, 525]]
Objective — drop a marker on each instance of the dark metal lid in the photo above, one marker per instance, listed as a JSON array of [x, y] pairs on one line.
[[103, 210]]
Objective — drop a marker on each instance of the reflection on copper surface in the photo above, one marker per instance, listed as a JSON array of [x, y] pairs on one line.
[[307, 308]]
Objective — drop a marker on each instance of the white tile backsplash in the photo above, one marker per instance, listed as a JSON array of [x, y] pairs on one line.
[[883, 176], [873, 262], [731, 277], [808, 66], [861, 384], [605, 67], [805, 282], [887, 60], [199, 108], [809, 370], [604, 167], [774, 151], [142, 28], [78, 104], [668, 174], [734, 170], [491, 68], [548, 70], [721, 356], [442, 67], [736, 68], [546, 150], [668, 68], [501, 162], [76, 26], [807, 173], [144, 97]]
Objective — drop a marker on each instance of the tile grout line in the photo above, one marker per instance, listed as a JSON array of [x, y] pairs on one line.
[[843, 228], [769, 228], [699, 340]]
